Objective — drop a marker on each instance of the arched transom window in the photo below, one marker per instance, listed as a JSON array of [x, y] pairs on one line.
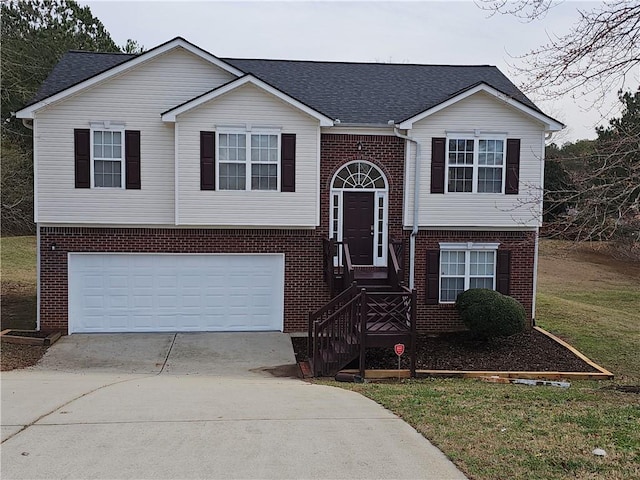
[[359, 175]]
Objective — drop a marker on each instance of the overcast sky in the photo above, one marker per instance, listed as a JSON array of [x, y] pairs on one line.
[[454, 32]]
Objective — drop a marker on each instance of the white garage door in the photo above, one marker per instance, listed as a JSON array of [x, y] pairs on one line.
[[175, 292]]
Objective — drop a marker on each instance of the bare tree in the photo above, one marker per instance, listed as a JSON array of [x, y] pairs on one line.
[[592, 187], [16, 187], [598, 54]]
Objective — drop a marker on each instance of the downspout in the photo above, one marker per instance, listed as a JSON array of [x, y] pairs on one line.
[[416, 199], [28, 123]]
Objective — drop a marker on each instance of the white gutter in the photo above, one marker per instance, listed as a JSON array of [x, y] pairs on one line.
[[416, 199]]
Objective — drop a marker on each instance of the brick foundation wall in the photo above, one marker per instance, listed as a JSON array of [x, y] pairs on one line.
[[304, 287], [444, 317]]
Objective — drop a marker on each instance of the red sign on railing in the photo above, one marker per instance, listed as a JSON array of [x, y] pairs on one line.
[[399, 349]]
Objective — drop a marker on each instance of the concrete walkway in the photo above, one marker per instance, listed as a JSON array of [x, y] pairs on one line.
[[169, 409]]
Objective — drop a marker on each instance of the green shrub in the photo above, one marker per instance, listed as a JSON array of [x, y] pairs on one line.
[[473, 296], [488, 313]]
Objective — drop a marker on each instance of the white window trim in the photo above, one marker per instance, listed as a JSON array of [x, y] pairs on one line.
[[247, 132], [467, 248], [476, 137], [108, 126]]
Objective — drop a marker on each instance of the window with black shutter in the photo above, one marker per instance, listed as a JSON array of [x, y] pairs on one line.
[[207, 161], [82, 154]]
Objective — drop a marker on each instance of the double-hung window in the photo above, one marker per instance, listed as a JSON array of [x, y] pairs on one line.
[[248, 160], [464, 266], [475, 164], [107, 158]]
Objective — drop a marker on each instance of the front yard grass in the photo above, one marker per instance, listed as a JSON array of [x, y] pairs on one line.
[[496, 431]]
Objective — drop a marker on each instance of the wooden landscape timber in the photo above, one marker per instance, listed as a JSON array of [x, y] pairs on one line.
[[29, 337]]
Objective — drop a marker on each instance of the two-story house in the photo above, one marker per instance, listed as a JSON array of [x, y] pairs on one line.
[[178, 191]]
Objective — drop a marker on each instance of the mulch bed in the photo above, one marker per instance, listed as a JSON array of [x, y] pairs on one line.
[[19, 356], [530, 351]]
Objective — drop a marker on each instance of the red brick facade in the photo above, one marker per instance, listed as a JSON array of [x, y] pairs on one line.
[[444, 317], [304, 287], [386, 152]]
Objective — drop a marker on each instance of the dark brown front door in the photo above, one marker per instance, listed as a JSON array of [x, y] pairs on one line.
[[357, 229]]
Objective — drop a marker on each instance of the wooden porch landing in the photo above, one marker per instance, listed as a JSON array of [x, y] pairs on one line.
[[364, 274]]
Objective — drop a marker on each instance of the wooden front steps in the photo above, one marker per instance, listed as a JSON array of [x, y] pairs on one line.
[[370, 307]]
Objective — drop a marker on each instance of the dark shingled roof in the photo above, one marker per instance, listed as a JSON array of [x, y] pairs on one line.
[[361, 93], [76, 66], [374, 93]]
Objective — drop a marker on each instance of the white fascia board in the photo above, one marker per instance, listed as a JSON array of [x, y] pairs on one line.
[[469, 245], [360, 129], [550, 124], [29, 112], [170, 115]]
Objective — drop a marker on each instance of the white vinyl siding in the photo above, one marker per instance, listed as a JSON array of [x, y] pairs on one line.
[[135, 99], [482, 112], [256, 111]]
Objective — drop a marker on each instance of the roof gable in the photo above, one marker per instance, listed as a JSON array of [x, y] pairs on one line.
[[550, 124], [170, 115], [108, 66]]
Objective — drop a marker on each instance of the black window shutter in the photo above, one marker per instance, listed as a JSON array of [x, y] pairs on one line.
[[132, 159], [82, 157], [503, 271], [433, 277], [207, 161], [437, 164], [513, 166], [288, 162]]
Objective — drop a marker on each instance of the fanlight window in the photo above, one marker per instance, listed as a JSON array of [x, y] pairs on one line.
[[359, 175]]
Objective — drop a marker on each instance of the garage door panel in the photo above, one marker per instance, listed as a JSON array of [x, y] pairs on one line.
[[175, 292]]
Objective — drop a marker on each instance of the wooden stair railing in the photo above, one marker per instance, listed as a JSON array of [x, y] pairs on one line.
[[394, 272], [356, 319], [333, 331], [341, 276], [348, 270], [328, 270]]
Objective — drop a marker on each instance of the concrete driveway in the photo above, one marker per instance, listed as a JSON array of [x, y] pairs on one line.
[[207, 405]]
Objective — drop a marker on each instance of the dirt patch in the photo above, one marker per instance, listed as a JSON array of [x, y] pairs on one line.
[[283, 371], [18, 311], [623, 388], [18, 306], [582, 267], [13, 356], [531, 351]]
